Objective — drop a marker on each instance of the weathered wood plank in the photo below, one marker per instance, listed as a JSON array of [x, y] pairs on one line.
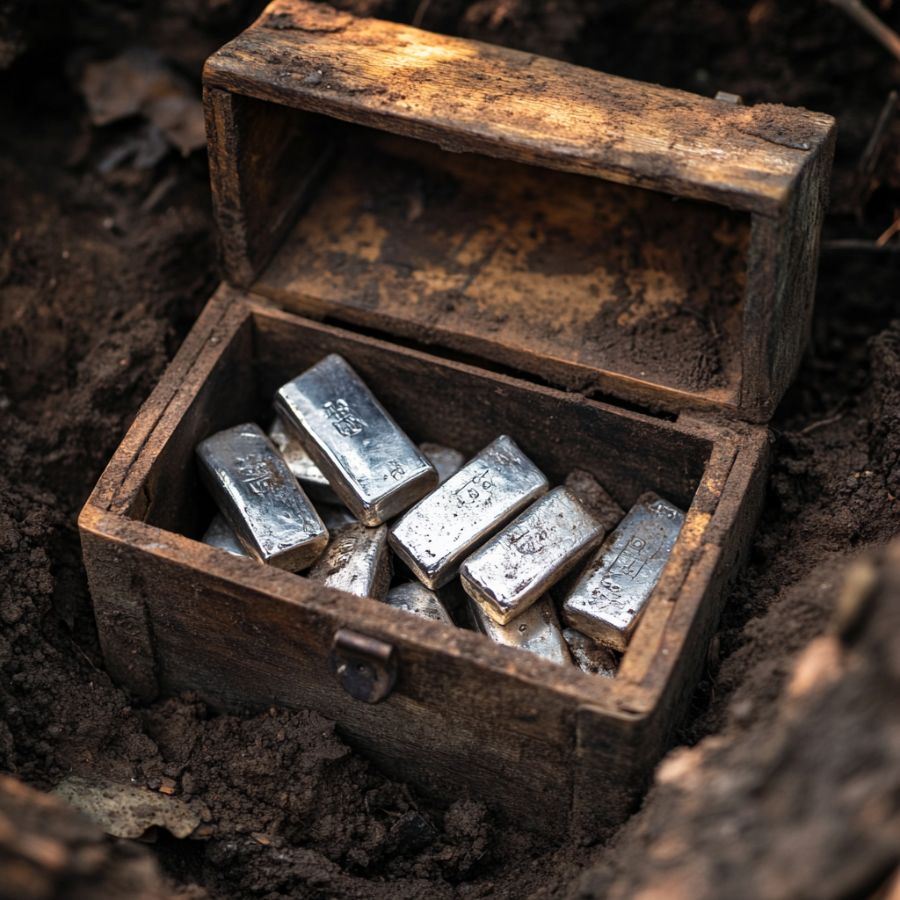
[[468, 96], [725, 511], [510, 288], [657, 680], [782, 266], [584, 283], [264, 162]]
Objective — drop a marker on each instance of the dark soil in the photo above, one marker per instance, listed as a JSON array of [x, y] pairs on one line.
[[788, 783]]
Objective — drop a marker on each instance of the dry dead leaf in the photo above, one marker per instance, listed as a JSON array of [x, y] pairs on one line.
[[127, 811], [140, 82]]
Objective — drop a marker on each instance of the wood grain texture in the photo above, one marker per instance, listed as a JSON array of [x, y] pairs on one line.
[[582, 282], [129, 487], [466, 715], [468, 96], [265, 159], [782, 266]]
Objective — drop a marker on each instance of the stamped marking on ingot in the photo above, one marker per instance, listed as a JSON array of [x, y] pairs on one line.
[[531, 554], [441, 530], [343, 419], [609, 597], [415, 598], [537, 630], [528, 541], [260, 498], [478, 489], [257, 473], [357, 560], [369, 462]]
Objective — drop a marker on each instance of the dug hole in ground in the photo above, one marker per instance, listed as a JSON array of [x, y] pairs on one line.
[[786, 778]]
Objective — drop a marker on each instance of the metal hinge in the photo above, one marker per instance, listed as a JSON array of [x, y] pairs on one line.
[[365, 666]]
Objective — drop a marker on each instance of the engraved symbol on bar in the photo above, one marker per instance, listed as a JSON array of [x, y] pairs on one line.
[[528, 542], [343, 550], [344, 421], [395, 469], [608, 584], [478, 487], [627, 565], [660, 508], [255, 473]]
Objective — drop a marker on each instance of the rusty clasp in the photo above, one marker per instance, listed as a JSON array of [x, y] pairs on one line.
[[365, 666]]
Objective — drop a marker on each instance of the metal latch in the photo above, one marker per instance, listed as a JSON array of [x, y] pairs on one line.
[[365, 666]]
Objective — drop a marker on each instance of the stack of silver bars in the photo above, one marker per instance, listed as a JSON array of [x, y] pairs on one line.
[[493, 521]]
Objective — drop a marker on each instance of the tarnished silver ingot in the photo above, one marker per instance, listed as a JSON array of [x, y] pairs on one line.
[[300, 463], [537, 630], [356, 560], [334, 514], [446, 461], [262, 501], [220, 534], [530, 555], [415, 598], [370, 463], [589, 656], [450, 523], [612, 592]]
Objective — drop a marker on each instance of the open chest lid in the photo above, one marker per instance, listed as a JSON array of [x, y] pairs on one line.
[[605, 235]]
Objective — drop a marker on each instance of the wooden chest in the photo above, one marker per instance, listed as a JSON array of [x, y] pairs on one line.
[[618, 275]]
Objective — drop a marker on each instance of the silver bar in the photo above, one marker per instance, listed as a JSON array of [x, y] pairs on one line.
[[536, 630], [446, 461], [220, 534], [357, 560], [589, 656], [441, 530], [260, 498], [417, 599], [530, 555], [300, 463], [609, 597], [374, 468]]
